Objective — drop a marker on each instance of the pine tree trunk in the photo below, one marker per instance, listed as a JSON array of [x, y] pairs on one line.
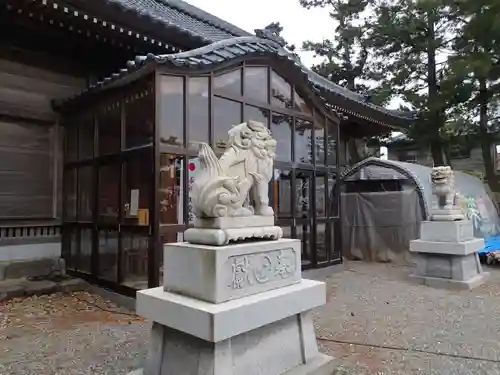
[[352, 147], [447, 156], [434, 119], [484, 138]]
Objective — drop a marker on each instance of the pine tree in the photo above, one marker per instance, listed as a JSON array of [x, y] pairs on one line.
[[412, 40], [477, 62], [346, 55]]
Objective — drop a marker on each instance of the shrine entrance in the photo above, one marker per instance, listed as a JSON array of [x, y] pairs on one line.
[[131, 157]]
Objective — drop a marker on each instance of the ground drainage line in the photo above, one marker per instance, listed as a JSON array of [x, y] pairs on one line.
[[398, 348], [387, 347]]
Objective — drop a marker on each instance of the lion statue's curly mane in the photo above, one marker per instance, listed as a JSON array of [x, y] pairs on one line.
[[244, 170]]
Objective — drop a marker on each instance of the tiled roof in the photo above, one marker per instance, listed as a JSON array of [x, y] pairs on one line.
[[183, 16], [241, 47]]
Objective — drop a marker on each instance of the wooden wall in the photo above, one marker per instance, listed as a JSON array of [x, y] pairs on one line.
[[27, 91], [30, 140]]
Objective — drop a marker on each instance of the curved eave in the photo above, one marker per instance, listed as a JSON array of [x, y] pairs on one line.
[[206, 17], [229, 50], [146, 16], [167, 15]]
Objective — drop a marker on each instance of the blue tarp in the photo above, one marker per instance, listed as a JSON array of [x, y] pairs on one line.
[[492, 244]]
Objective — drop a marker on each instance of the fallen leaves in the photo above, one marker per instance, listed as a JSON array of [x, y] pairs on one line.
[[55, 312]]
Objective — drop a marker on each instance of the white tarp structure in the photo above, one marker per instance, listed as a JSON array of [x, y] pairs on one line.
[[383, 202]]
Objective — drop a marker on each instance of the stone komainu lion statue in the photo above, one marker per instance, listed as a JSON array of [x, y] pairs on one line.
[[443, 188], [223, 186]]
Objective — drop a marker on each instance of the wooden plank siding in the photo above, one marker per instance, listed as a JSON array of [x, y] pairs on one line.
[[27, 91], [31, 140]]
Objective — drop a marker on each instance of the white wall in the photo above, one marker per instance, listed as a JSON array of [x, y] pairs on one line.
[[30, 252]]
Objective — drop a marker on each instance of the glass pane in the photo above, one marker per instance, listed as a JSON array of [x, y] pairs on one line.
[[71, 140], [287, 232], [333, 200], [70, 186], [304, 234], [85, 187], [301, 105], [108, 255], [193, 168], [319, 139], [282, 193], [166, 237], [229, 82], [334, 247], [302, 194], [281, 128], [70, 249], [320, 198], [256, 114], [171, 189], [281, 92], [86, 137], [321, 242], [303, 141], [137, 185], [226, 113], [343, 154], [169, 236], [199, 111], [109, 193], [109, 128], [172, 110], [134, 260], [331, 144], [256, 83], [85, 261], [139, 118]]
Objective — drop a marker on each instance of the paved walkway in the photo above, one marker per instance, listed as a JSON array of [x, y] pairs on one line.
[[375, 322]]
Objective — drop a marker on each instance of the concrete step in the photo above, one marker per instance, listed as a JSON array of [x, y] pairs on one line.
[[30, 268], [23, 287]]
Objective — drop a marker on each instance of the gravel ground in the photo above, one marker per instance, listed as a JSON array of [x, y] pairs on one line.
[[67, 335], [379, 323], [375, 322]]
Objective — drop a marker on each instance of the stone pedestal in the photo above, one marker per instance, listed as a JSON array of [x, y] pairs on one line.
[[221, 231], [442, 214], [234, 310], [446, 255]]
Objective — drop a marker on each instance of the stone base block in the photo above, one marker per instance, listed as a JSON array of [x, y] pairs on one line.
[[218, 322], [449, 271], [453, 214], [234, 222], [446, 231], [220, 237], [321, 365], [221, 273], [448, 248], [438, 283], [284, 347]]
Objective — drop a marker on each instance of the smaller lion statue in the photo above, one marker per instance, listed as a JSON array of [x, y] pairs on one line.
[[224, 186], [443, 188]]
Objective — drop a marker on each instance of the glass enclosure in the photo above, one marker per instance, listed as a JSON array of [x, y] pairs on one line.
[[131, 157]]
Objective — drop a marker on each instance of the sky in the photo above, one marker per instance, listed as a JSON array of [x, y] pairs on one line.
[[299, 24]]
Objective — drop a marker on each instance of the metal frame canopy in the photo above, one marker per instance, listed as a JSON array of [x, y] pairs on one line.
[[480, 206]]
